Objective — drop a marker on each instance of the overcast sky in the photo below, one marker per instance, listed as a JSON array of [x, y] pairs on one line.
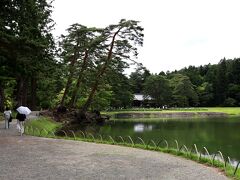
[[178, 33]]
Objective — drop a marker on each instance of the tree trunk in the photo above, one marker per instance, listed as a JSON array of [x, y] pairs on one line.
[[25, 92], [22, 91], [71, 70], [83, 68], [19, 91], [2, 97], [69, 82], [91, 95], [33, 93]]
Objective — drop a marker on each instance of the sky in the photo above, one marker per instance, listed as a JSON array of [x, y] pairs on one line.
[[177, 33]]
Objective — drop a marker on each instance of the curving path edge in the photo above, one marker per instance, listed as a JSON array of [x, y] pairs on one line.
[[27, 158]]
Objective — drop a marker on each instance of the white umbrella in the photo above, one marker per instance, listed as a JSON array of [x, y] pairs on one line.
[[23, 110]]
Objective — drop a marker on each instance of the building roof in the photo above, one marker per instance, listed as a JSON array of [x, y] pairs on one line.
[[141, 97]]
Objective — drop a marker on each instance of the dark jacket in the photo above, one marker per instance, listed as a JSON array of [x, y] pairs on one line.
[[21, 117]]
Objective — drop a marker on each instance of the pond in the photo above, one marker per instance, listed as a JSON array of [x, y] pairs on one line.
[[213, 133]]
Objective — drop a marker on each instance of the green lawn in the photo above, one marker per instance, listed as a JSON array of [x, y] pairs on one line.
[[228, 110]]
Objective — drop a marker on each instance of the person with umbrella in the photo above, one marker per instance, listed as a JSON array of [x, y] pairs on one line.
[[21, 116]]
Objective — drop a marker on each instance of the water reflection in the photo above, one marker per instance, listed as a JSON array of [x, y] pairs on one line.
[[142, 127], [217, 134]]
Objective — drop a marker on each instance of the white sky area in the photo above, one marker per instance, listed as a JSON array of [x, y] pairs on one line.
[[178, 33]]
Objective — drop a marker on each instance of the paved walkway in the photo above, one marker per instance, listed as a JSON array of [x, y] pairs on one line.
[[26, 157]]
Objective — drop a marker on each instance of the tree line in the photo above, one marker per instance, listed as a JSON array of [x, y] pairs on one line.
[[203, 86]]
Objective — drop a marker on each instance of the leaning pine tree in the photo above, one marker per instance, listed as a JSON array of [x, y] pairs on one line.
[[76, 47], [94, 52], [79, 49], [121, 41]]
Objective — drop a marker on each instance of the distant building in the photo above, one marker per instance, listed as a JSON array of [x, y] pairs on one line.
[[140, 100]]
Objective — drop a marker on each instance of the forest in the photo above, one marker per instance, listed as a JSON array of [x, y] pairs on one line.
[[85, 68], [203, 86]]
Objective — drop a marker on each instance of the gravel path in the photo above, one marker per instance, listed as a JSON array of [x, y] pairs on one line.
[[26, 157]]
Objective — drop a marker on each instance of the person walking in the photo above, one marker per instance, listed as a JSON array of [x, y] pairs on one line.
[[20, 122], [7, 115]]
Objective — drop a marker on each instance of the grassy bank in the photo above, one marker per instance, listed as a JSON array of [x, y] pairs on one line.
[[46, 128], [44, 123]]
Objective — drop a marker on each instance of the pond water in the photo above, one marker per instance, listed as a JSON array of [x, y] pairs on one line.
[[213, 133]]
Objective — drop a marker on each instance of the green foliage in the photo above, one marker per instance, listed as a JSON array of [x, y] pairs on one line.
[[233, 92], [54, 102], [138, 78], [214, 84], [221, 82], [123, 38], [158, 87], [184, 93], [194, 75], [205, 93], [102, 98], [78, 51], [26, 46], [99, 53], [8, 92], [230, 102], [121, 91], [204, 86]]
